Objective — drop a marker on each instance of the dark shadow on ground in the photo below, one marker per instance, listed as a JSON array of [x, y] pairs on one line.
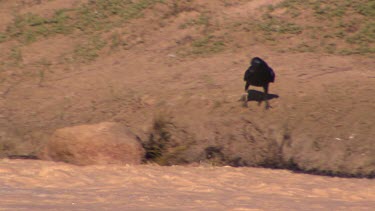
[[254, 95]]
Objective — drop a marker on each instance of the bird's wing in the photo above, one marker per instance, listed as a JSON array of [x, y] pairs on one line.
[[272, 74], [247, 74]]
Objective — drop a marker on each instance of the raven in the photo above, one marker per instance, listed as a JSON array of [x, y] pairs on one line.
[[258, 74]]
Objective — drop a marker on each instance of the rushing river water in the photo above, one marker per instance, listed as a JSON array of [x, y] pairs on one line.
[[42, 185]]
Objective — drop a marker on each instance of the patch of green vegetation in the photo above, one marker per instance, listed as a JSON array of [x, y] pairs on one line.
[[274, 25], [367, 8], [207, 45], [202, 20], [117, 41], [304, 47], [3, 37], [89, 51], [91, 17], [331, 48], [104, 14], [365, 34], [29, 27], [227, 3], [176, 7], [340, 8], [323, 10], [332, 23]]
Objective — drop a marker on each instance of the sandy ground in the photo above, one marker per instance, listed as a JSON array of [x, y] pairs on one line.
[[324, 108], [42, 185]]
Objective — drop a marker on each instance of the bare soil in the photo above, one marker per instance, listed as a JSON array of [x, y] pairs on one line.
[[321, 120]]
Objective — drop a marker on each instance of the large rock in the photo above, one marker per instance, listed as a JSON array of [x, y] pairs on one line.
[[103, 143]]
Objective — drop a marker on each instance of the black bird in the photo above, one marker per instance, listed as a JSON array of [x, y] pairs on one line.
[[258, 74]]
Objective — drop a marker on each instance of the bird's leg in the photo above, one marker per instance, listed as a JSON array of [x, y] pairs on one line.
[[245, 95], [265, 96]]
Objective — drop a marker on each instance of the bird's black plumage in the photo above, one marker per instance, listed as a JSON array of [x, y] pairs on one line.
[[259, 74]]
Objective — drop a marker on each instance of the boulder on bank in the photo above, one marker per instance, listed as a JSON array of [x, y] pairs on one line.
[[103, 143]]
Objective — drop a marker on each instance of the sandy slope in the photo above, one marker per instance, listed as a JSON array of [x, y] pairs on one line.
[[38, 185]]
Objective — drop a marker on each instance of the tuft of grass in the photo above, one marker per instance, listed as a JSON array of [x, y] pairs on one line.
[[117, 41], [207, 45], [159, 140], [273, 25], [41, 77], [43, 66], [202, 20], [176, 7], [3, 37], [167, 143], [89, 51], [16, 56], [6, 147], [303, 47]]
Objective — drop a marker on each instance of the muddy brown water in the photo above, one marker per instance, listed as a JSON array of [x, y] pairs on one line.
[[42, 185]]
